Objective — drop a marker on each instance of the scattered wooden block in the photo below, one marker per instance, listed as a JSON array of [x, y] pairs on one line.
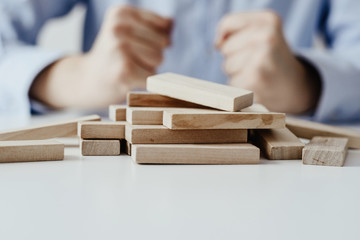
[[199, 91], [325, 151], [195, 153], [309, 129], [278, 144], [117, 112], [100, 147], [144, 134], [152, 115], [222, 120], [30, 151], [125, 147], [146, 99], [101, 130], [46, 131]]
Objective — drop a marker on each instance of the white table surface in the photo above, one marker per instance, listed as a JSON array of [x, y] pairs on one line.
[[114, 198]]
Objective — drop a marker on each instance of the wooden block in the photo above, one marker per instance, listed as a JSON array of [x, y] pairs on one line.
[[30, 151], [256, 108], [146, 99], [278, 144], [101, 130], [100, 147], [117, 112], [222, 120], [325, 151], [46, 131], [196, 153], [152, 115], [142, 134], [309, 129], [125, 147], [200, 92]]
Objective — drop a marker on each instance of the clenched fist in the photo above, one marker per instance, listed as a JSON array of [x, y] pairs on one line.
[[128, 48], [258, 58]]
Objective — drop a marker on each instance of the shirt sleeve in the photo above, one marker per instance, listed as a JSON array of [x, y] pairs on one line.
[[339, 64], [20, 59]]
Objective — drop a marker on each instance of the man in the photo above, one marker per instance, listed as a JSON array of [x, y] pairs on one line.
[[264, 46]]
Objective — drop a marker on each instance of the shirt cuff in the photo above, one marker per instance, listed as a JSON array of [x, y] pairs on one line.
[[19, 66], [340, 85]]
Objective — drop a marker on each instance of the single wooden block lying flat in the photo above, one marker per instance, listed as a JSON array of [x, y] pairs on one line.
[[326, 151], [196, 153], [101, 130], [100, 147], [152, 115], [117, 112], [199, 91], [309, 129], [145, 99], [46, 131], [125, 147], [278, 144], [142, 134], [222, 120], [30, 151]]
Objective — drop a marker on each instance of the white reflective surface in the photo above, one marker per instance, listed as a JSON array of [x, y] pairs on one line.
[[113, 198]]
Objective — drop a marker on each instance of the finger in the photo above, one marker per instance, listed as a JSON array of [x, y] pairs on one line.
[[132, 27], [236, 63], [147, 56], [239, 41], [154, 20]]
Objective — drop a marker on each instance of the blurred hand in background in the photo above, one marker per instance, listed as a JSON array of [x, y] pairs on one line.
[[258, 58], [128, 48]]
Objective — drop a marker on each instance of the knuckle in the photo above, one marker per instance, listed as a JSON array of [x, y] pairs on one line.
[[122, 28], [271, 18], [123, 45]]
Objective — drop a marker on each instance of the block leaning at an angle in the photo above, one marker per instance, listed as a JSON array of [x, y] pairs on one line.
[[241, 153], [222, 120], [198, 91]]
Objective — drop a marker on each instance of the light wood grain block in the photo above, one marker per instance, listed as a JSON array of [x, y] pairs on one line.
[[200, 92], [308, 129], [278, 144], [325, 151], [152, 115], [222, 120], [30, 151], [125, 147], [117, 112], [146, 99], [100, 147], [196, 153], [46, 131], [142, 134], [101, 130]]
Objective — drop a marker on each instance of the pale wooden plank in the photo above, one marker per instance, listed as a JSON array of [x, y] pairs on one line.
[[144, 134], [222, 120], [117, 112], [101, 130], [52, 130], [30, 151], [308, 129], [100, 147], [146, 99], [325, 151], [200, 92], [152, 115], [196, 153], [278, 144]]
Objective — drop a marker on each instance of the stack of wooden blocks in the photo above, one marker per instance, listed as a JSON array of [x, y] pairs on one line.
[[183, 120]]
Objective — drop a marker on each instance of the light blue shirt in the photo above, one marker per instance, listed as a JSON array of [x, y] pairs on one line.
[[192, 51]]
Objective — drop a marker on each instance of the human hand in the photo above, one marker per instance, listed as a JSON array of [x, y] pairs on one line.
[[258, 58], [128, 48]]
